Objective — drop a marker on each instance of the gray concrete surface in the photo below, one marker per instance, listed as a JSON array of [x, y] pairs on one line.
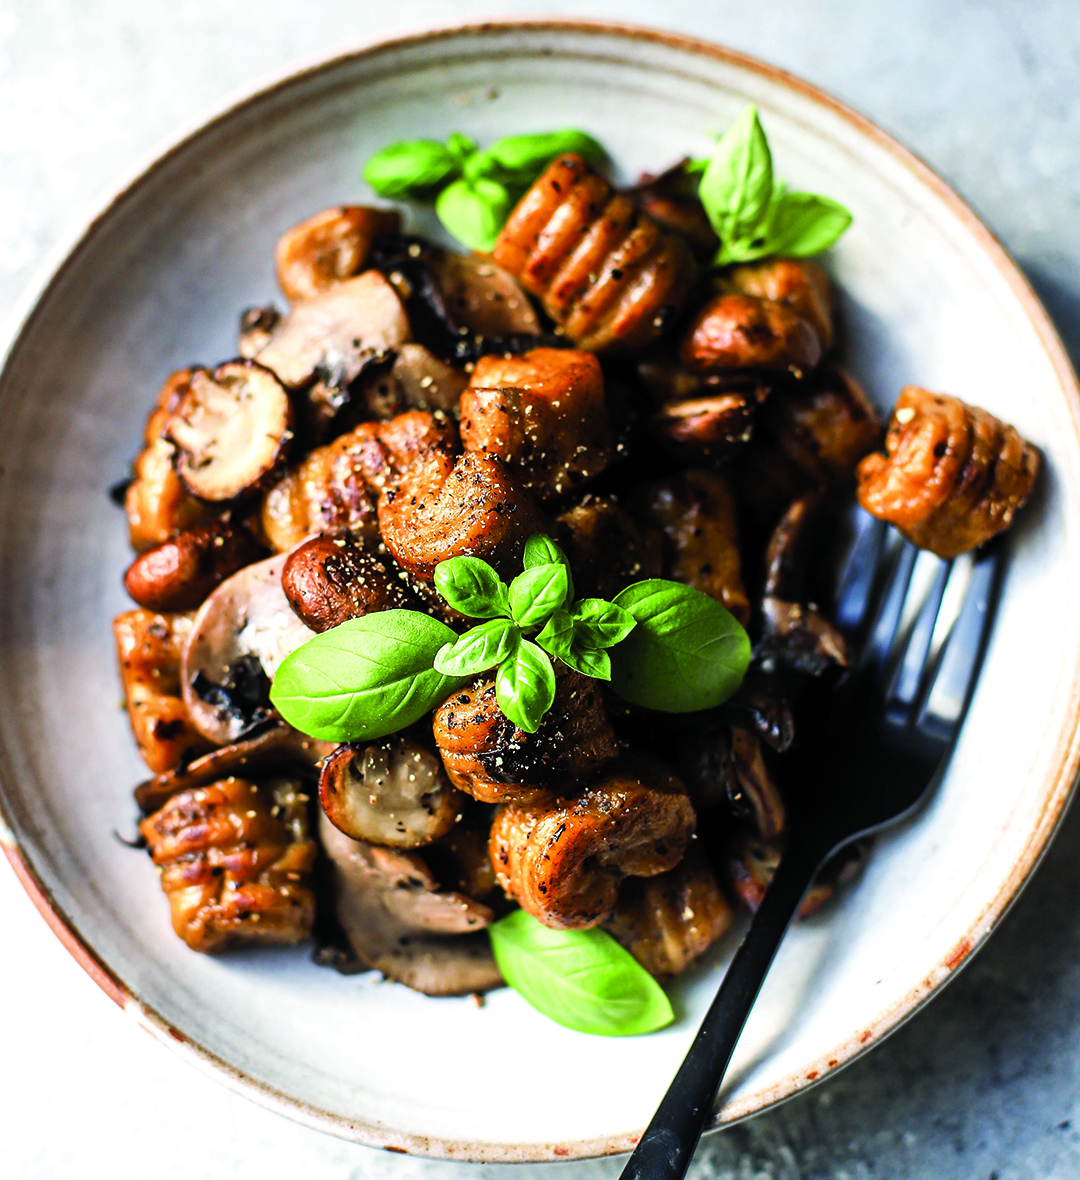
[[985, 1082]]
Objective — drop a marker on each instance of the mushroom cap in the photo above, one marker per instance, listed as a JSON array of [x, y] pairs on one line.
[[247, 624]]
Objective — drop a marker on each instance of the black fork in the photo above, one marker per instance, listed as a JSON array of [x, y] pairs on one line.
[[879, 745]]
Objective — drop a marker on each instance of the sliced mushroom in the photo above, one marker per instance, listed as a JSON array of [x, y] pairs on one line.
[[334, 577], [417, 380], [757, 797], [275, 748], [257, 325], [667, 921], [735, 331], [750, 864], [563, 860], [401, 923], [794, 282], [671, 200], [606, 547], [483, 297], [232, 430], [393, 792], [760, 705], [329, 247], [241, 634], [795, 632], [179, 573], [705, 428]]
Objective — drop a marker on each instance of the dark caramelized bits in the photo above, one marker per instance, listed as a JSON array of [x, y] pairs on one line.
[[232, 430], [606, 547], [667, 921], [334, 577], [486, 755], [952, 476], [440, 509], [483, 297], [563, 860], [795, 283], [604, 271], [329, 247], [149, 646], [235, 862], [825, 426], [178, 574], [543, 414], [393, 792], [671, 200], [735, 331], [696, 511]]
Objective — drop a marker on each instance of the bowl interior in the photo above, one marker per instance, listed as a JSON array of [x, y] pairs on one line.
[[158, 282]]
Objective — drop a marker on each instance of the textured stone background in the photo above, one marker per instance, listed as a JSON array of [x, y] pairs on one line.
[[984, 1083]]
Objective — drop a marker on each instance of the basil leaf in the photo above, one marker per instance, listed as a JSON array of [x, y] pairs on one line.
[[581, 978], [557, 636], [471, 586], [589, 661], [804, 224], [461, 147], [412, 167], [525, 686], [540, 549], [686, 652], [474, 211], [537, 592], [365, 678], [519, 159], [736, 187], [478, 649], [599, 623]]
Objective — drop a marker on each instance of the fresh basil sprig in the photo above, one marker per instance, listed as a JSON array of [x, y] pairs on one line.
[[661, 644], [478, 188], [366, 678], [581, 978], [753, 215]]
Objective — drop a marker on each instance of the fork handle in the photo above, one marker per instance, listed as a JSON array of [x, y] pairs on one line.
[[667, 1146]]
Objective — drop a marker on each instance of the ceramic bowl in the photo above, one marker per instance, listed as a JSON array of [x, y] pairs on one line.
[[157, 281]]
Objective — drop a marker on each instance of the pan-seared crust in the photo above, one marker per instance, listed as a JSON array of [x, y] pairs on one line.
[[603, 270], [952, 476], [329, 247]]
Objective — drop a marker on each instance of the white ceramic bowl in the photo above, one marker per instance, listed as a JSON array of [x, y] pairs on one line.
[[157, 281]]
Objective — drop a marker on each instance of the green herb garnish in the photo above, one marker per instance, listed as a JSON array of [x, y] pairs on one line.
[[581, 978], [662, 645], [752, 215], [473, 190]]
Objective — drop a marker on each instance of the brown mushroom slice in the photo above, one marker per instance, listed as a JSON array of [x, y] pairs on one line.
[[563, 860], [460, 859], [953, 475], [399, 921], [604, 271], [698, 514], [484, 297], [417, 380], [274, 749], [235, 860], [757, 797], [543, 414], [750, 863], [760, 705], [795, 632], [667, 921], [488, 757], [149, 646], [671, 200], [796, 283], [705, 429], [329, 247], [334, 577], [606, 547], [393, 792], [826, 427], [257, 325], [231, 431], [178, 574], [337, 334], [734, 331], [442, 508], [241, 634]]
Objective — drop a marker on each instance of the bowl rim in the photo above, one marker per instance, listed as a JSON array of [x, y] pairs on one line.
[[1066, 756]]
